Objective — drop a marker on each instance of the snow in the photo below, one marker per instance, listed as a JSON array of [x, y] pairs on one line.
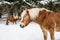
[[46, 1], [30, 32], [43, 2], [5, 2]]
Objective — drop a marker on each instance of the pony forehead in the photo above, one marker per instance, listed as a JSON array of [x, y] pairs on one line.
[[23, 13]]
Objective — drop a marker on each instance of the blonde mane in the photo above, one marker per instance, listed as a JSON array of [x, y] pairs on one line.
[[34, 12]]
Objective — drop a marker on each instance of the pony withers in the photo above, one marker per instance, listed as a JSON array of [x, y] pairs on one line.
[[48, 20], [12, 19]]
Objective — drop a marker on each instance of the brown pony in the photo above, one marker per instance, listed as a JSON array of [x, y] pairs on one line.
[[48, 20], [12, 19]]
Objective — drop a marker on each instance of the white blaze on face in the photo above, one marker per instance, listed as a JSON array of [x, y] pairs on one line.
[[22, 24], [22, 14]]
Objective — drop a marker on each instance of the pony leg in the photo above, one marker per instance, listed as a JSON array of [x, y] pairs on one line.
[[45, 34], [13, 22], [52, 34], [7, 22]]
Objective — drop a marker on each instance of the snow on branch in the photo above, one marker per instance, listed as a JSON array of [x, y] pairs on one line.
[[28, 3]]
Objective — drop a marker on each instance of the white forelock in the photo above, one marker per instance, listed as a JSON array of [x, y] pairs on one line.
[[34, 12]]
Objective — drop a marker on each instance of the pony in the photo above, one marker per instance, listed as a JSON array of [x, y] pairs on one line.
[[47, 19], [12, 19]]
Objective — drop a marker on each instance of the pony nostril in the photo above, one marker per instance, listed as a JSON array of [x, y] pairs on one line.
[[22, 26]]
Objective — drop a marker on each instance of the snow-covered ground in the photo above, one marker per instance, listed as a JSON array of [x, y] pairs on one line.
[[30, 32]]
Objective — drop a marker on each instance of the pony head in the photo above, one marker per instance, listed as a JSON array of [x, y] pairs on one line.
[[25, 19], [34, 14], [17, 17]]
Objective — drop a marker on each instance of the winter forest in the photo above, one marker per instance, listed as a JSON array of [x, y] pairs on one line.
[[11, 8]]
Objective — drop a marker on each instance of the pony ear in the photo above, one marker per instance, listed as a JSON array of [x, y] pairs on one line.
[[27, 12]]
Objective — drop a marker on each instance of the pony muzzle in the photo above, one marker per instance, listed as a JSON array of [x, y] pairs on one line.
[[22, 25]]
